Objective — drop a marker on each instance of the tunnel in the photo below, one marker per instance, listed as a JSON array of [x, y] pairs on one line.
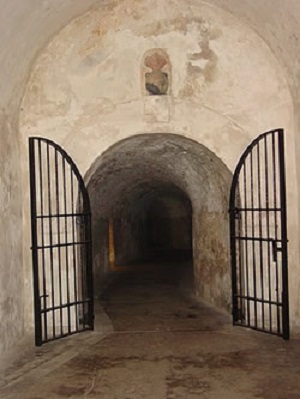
[[154, 226], [157, 199]]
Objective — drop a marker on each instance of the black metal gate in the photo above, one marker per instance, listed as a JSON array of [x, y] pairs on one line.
[[258, 234], [61, 243]]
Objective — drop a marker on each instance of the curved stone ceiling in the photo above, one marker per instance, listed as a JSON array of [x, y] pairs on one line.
[[137, 165], [26, 26]]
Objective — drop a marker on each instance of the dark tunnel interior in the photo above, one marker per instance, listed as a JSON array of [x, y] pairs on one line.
[[158, 223], [160, 201]]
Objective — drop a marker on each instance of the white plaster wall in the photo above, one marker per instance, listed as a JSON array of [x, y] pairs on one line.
[[25, 26], [87, 82], [85, 91], [11, 272]]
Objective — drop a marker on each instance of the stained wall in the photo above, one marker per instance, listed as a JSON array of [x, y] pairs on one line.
[[86, 91]]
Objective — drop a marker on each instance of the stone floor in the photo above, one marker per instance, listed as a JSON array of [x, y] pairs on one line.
[[158, 343]]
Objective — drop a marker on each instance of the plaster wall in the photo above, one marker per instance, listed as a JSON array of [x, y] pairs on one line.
[[86, 91], [11, 267], [25, 27]]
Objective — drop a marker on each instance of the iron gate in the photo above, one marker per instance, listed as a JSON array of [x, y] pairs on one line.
[[258, 234], [61, 243]]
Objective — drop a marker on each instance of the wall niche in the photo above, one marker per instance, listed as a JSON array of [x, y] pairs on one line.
[[156, 73]]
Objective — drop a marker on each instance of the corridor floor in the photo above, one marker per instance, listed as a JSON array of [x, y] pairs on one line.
[[159, 343]]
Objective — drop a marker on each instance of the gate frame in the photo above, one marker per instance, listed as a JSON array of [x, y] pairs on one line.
[[38, 312], [233, 211]]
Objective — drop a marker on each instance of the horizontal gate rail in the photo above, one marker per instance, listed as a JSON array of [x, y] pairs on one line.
[[249, 298], [256, 209], [270, 240], [65, 305], [65, 244], [62, 215]]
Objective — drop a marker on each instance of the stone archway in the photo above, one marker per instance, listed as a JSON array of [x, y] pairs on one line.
[[141, 166]]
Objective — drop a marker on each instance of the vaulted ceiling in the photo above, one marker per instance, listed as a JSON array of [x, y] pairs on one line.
[[26, 26]]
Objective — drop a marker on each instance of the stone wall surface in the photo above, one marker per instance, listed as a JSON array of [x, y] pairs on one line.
[[228, 84], [87, 88], [24, 28], [11, 268]]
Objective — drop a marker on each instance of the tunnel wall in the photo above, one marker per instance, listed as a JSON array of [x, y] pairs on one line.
[[211, 250], [86, 91]]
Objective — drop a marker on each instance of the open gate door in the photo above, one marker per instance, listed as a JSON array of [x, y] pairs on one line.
[[61, 243], [258, 234]]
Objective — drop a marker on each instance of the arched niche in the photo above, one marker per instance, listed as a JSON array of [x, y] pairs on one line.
[[156, 73]]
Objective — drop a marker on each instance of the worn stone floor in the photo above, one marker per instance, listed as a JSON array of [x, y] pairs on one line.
[[157, 343]]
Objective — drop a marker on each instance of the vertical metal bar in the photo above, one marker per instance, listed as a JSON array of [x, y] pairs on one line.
[[283, 214], [57, 195], [89, 268], [267, 196], [233, 250], [51, 238], [43, 238], [261, 256], [240, 292], [82, 252], [74, 249], [253, 242], [246, 242], [37, 303], [66, 240], [276, 228]]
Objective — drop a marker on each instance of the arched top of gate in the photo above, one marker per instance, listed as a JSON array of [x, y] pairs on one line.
[[243, 158], [69, 160]]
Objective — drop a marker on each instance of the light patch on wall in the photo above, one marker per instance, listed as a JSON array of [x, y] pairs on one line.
[[112, 254], [199, 63]]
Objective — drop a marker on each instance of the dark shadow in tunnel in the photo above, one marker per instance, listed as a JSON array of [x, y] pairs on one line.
[[160, 201], [158, 224]]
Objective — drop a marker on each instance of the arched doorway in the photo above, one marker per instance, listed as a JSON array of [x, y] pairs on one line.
[[143, 186]]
